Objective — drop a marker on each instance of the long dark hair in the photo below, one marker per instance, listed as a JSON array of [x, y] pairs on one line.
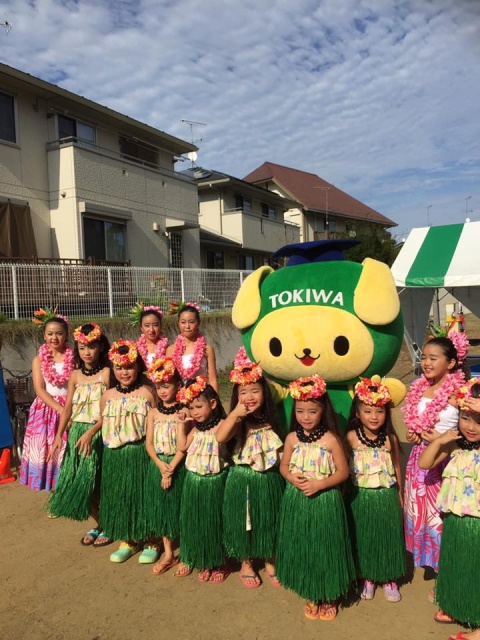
[[328, 418], [102, 341], [450, 352], [209, 393], [268, 408]]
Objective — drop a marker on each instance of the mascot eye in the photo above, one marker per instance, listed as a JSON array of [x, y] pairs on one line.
[[341, 346], [275, 347]]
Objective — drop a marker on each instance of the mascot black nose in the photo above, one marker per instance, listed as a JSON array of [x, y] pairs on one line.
[[307, 352]]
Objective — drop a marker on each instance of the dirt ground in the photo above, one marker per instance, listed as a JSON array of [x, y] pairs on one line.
[[53, 588]]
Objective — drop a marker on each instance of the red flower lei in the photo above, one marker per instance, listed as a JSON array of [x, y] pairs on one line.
[[47, 364], [178, 351], [160, 348], [427, 420]]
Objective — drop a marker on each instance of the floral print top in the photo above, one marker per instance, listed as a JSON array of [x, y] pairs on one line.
[[372, 467], [260, 451], [460, 490], [165, 435], [205, 456], [312, 460], [124, 420], [86, 401]]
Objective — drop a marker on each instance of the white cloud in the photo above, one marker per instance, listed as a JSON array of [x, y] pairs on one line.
[[378, 97]]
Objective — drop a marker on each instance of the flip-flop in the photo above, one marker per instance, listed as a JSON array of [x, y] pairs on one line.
[[219, 575], [204, 575], [309, 610], [163, 567], [93, 535], [459, 636], [325, 608], [102, 541], [183, 571], [443, 618], [273, 579], [247, 581]]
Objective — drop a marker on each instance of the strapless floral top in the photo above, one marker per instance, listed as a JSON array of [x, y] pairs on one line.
[[124, 420], [205, 456], [460, 490], [312, 460], [372, 467], [260, 451], [86, 401], [165, 435]]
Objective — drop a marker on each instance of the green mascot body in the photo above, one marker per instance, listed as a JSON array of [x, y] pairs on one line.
[[339, 319]]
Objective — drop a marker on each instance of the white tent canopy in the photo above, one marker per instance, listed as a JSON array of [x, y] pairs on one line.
[[435, 257]]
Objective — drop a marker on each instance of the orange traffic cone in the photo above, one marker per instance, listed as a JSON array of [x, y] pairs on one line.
[[5, 474]]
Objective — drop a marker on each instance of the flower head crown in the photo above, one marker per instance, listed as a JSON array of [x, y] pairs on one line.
[[123, 359], [135, 313], [185, 395], [373, 393], [90, 337], [44, 315], [244, 370], [464, 393], [308, 388], [161, 370]]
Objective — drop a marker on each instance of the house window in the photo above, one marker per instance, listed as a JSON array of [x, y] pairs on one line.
[[133, 149], [215, 260], [268, 211], [7, 118], [75, 131], [245, 263], [176, 249], [243, 203], [104, 240]]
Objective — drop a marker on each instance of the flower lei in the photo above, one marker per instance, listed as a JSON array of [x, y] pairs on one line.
[[372, 393], [161, 370], [93, 336], [123, 360], [185, 395], [464, 393], [308, 388], [178, 351], [428, 418], [47, 364], [160, 348]]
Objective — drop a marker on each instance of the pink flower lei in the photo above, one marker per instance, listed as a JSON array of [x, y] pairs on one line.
[[200, 345], [47, 364], [427, 420], [160, 348]]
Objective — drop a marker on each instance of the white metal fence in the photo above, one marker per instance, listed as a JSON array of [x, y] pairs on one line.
[[86, 291]]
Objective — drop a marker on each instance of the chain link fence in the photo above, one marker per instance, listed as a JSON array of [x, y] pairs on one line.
[[87, 291]]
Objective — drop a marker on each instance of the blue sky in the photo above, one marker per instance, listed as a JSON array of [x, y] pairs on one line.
[[379, 97]]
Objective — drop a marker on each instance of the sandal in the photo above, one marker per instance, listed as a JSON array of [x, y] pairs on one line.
[[204, 575], [162, 567], [327, 612], [443, 618], [250, 581], [90, 537], [220, 575], [183, 571], [102, 541], [311, 610], [124, 552]]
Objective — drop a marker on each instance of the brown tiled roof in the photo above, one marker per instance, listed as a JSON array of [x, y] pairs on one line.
[[309, 190]]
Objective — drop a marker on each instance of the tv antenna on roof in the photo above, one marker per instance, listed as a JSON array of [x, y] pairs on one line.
[[6, 24], [192, 124]]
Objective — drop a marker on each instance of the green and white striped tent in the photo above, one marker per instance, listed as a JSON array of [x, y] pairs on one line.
[[432, 258]]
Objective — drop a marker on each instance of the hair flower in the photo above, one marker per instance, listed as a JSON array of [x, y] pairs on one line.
[[161, 370], [127, 357], [185, 395], [308, 388], [246, 374], [90, 337], [135, 313], [43, 315], [464, 393], [373, 393]]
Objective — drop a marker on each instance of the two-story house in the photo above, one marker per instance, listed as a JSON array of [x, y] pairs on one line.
[[241, 224], [321, 210], [98, 186]]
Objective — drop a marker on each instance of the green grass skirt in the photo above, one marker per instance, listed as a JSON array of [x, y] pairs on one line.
[[201, 520], [264, 491], [457, 590], [122, 498], [163, 505], [376, 529], [314, 557], [79, 477]]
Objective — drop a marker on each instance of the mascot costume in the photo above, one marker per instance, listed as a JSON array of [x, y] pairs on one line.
[[321, 314]]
